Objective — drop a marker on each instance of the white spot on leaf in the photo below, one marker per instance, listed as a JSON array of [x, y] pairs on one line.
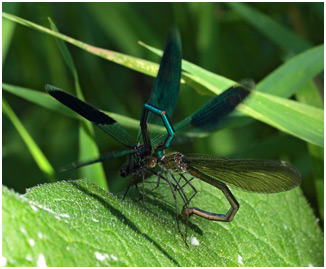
[[100, 256], [29, 257], [240, 260], [34, 207], [194, 241], [64, 215], [41, 261], [114, 257], [40, 235], [31, 242]]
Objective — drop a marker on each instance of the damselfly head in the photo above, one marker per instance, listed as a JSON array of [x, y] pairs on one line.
[[150, 161], [125, 171]]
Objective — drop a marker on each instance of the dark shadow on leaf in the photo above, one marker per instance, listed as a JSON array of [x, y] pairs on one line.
[[133, 196], [122, 218]]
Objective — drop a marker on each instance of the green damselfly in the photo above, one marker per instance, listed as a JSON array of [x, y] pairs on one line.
[[147, 156]]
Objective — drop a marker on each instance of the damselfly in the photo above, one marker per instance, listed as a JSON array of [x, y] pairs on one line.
[[149, 158]]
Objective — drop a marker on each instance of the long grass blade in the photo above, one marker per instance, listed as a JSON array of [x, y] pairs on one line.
[[36, 152], [276, 32], [87, 144]]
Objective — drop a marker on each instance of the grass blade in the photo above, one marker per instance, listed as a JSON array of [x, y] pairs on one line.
[[290, 76], [127, 34], [134, 63], [276, 32], [36, 152], [8, 29], [87, 145], [309, 94]]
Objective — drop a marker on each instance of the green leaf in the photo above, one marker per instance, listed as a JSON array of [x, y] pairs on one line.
[[79, 224], [87, 146], [276, 32], [289, 77], [300, 120], [8, 29], [127, 34], [309, 94], [36, 152], [134, 63]]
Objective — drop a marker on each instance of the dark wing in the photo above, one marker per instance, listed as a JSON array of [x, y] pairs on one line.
[[212, 115], [92, 114], [264, 176], [167, 83]]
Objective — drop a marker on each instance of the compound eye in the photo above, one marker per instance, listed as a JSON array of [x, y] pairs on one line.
[[151, 162]]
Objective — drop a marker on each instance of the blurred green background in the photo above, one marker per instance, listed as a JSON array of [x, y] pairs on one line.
[[215, 36]]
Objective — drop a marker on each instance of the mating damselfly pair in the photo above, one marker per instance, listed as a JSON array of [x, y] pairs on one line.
[[147, 156]]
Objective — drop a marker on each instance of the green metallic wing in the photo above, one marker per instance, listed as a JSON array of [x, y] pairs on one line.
[[166, 88], [213, 115], [253, 175], [167, 83]]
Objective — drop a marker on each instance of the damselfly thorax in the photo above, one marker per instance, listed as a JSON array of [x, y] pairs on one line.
[[173, 162]]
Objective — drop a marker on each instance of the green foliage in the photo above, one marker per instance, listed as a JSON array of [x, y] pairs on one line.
[[76, 223], [276, 32], [291, 117], [293, 74], [37, 154], [278, 45]]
